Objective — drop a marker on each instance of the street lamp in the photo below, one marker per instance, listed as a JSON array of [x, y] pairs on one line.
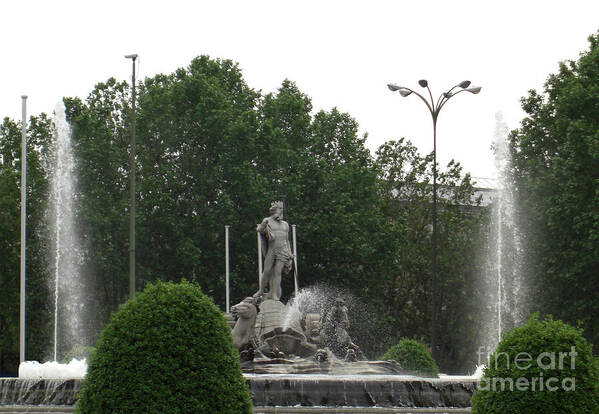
[[23, 228], [434, 108], [132, 185]]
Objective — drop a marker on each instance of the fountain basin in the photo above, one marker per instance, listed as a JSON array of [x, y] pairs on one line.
[[283, 393], [39, 392], [390, 391]]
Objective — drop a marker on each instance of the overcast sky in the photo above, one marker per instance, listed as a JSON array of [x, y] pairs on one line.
[[340, 53]]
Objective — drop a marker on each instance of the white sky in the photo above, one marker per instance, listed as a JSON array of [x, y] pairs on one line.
[[340, 53]]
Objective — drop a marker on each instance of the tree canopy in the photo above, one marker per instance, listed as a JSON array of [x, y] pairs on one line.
[[37, 306], [212, 152], [556, 175]]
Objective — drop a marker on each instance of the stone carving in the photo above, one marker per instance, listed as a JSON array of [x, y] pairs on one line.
[[274, 338], [245, 312], [272, 332], [356, 351], [351, 355], [314, 328], [321, 356], [276, 353], [336, 325], [278, 259]]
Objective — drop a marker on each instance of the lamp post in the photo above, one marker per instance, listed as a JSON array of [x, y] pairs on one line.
[[434, 108], [23, 228], [132, 185], [227, 288]]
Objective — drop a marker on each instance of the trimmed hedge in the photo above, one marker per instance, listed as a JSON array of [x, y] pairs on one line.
[[412, 356], [527, 373], [168, 350]]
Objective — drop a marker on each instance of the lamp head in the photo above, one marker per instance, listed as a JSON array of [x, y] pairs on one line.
[[474, 89], [464, 84], [404, 92], [393, 87], [423, 83], [133, 56]]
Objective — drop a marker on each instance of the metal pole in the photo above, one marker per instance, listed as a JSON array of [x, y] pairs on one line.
[[132, 185], [227, 268], [259, 257], [23, 228], [434, 281], [499, 249], [295, 257], [434, 109]]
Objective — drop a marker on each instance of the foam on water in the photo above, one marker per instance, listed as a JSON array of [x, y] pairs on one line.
[[478, 374], [50, 370]]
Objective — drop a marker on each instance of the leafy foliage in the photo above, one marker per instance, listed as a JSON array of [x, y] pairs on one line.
[[406, 288], [412, 356], [531, 353], [555, 155], [38, 136], [167, 350], [214, 152]]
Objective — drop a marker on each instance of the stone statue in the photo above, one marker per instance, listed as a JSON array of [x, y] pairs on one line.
[[336, 325], [275, 249], [276, 353], [313, 330], [337, 322], [321, 356], [246, 312], [351, 355]]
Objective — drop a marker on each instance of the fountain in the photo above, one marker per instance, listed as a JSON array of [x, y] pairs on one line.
[[66, 255], [319, 365], [52, 385], [65, 258], [503, 280], [301, 354], [295, 357]]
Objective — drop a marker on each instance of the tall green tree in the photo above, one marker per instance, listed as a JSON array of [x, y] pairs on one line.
[[214, 152], [407, 193], [100, 143], [556, 174], [37, 306], [9, 245], [197, 130]]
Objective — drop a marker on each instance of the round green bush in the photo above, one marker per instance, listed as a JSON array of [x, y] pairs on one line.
[[168, 350], [412, 356], [545, 366]]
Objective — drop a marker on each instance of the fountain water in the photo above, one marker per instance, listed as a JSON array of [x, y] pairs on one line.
[[65, 258], [367, 331], [310, 299], [503, 281]]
